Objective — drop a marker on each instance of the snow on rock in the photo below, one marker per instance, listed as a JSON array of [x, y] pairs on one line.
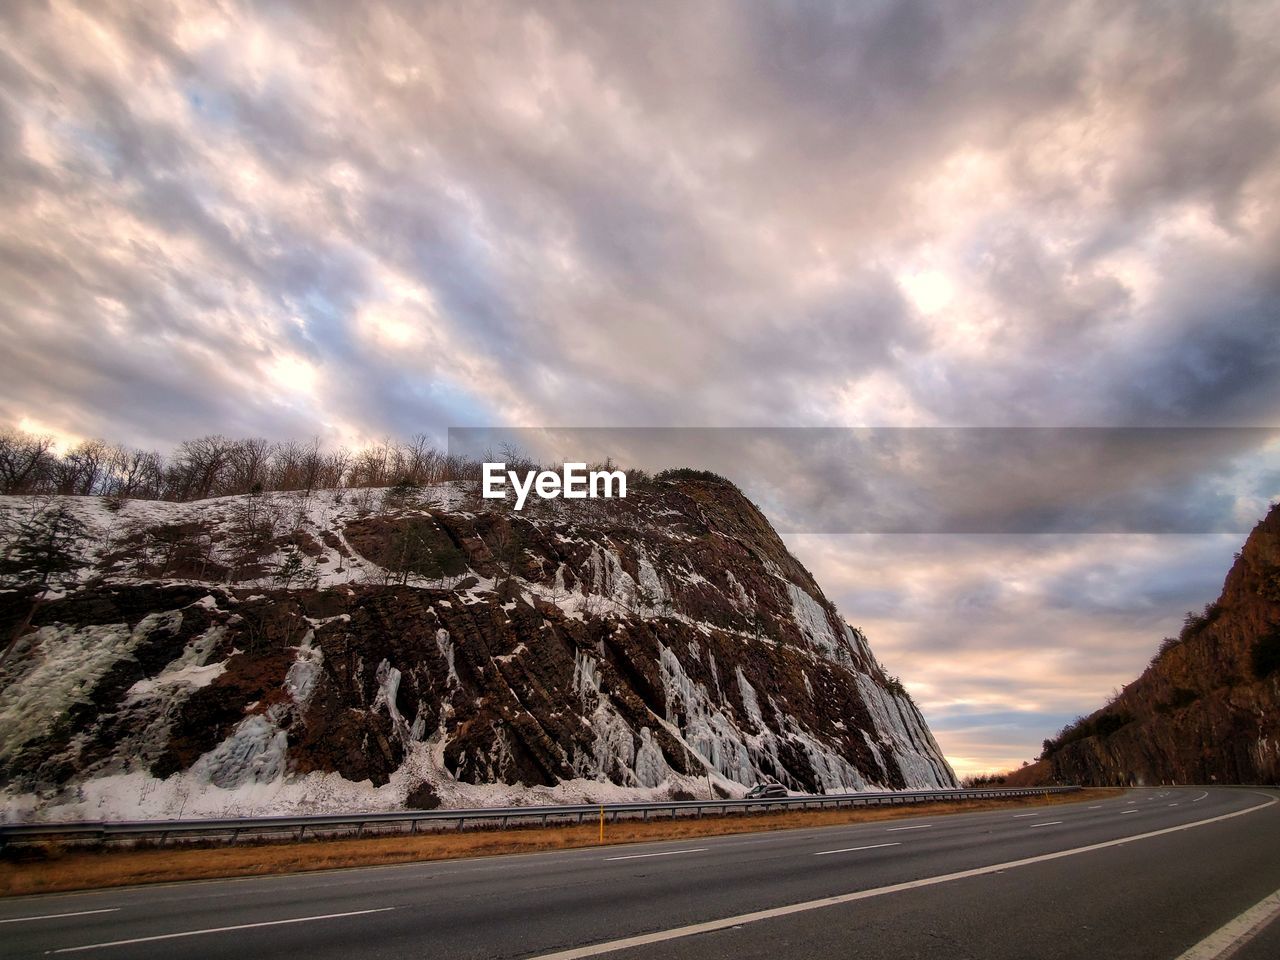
[[713, 737], [903, 732], [445, 646], [612, 751], [749, 701], [650, 766], [59, 666], [254, 753], [815, 623], [191, 675], [303, 673], [388, 689]]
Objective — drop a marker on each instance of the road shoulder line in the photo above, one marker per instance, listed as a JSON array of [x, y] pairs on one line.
[[1234, 934]]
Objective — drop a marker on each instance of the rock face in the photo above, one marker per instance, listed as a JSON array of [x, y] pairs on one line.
[[1208, 708], [356, 649]]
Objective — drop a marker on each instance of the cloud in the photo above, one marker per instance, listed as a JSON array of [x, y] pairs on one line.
[[1034, 630]]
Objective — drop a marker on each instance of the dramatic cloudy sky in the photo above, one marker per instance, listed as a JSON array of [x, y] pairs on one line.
[[354, 221]]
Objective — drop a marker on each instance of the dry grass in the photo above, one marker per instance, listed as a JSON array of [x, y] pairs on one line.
[[62, 868]]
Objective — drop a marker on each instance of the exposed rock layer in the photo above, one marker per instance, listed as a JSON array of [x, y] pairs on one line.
[[422, 643], [1208, 709]]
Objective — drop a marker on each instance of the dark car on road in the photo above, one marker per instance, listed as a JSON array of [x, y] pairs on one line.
[[766, 791]]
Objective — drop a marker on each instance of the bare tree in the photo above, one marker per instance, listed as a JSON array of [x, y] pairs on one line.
[[83, 471], [333, 472], [137, 473], [199, 467], [25, 461], [248, 465], [217, 466], [310, 463]]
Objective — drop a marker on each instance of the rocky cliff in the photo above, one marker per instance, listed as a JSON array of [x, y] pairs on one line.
[[1208, 708], [372, 649]]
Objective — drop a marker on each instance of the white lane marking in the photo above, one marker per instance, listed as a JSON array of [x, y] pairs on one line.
[[1046, 823], [1135, 801], [665, 853], [1098, 807], [1201, 797], [918, 826], [1236, 933], [871, 846], [1123, 812], [197, 933], [1173, 804], [676, 933], [1019, 816], [55, 916]]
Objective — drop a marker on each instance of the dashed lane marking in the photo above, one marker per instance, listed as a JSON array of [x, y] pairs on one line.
[[198, 933], [665, 853], [870, 846], [59, 916]]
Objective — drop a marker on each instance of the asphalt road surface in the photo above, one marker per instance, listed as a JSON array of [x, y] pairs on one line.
[[1165, 873]]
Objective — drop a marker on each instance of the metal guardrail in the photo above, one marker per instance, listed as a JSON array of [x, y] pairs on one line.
[[299, 827]]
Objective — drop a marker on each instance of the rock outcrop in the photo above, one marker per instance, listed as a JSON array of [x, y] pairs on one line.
[[281, 652], [1207, 710]]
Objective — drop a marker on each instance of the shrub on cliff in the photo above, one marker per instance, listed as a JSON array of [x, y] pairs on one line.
[[895, 686], [1266, 653], [1195, 623], [688, 473], [1099, 725]]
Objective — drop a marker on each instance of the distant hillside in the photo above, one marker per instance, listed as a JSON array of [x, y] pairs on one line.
[[419, 645], [1207, 709]]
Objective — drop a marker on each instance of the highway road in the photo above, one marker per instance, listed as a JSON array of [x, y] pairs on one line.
[[1155, 873]]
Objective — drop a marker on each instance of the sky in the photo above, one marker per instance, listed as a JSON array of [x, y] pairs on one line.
[[355, 220]]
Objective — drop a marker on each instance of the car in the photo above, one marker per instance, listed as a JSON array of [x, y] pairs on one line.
[[766, 791]]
